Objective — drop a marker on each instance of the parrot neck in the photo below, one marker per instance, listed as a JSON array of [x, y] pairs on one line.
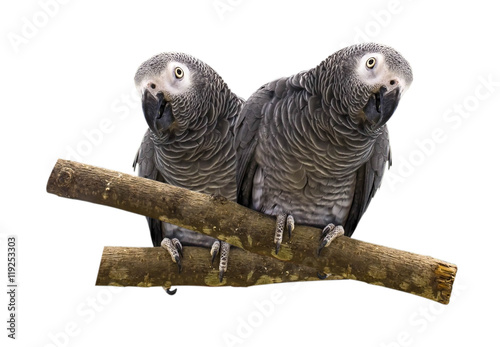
[[346, 140], [322, 83], [351, 147]]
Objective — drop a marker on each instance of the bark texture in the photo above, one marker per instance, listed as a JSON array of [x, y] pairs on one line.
[[345, 258]]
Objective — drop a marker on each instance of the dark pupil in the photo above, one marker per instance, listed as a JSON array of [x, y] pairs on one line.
[[370, 62], [179, 72]]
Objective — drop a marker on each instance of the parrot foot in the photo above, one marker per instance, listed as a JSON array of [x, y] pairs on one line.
[[224, 256], [174, 248], [330, 233], [281, 220]]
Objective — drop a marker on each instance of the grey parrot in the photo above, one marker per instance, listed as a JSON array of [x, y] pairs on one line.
[[312, 148], [190, 112]]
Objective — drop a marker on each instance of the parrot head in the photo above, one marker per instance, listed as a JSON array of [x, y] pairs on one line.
[[367, 81], [177, 93]]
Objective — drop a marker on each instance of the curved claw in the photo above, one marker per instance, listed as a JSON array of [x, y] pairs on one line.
[[322, 276], [215, 250], [171, 292], [178, 246], [330, 233], [321, 246], [221, 275], [278, 246], [178, 262]]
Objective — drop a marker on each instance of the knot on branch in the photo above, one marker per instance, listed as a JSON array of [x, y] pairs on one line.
[[219, 199], [65, 177]]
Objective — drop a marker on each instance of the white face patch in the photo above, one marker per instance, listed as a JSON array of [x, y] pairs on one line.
[[373, 71], [175, 79]]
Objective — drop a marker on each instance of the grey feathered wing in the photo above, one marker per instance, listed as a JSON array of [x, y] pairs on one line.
[[147, 169], [368, 180], [246, 138]]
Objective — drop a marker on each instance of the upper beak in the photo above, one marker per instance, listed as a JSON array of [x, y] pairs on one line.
[[157, 111], [381, 106]]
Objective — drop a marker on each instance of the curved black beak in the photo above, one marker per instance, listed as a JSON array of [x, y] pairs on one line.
[[157, 111], [381, 106]]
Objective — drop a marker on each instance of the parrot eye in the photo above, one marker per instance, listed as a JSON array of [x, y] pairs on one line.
[[370, 63], [178, 73]]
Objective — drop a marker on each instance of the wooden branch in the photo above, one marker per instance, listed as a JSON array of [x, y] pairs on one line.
[[253, 231], [148, 267]]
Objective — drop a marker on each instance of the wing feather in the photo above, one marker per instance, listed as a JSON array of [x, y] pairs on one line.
[[246, 138], [368, 180], [144, 159]]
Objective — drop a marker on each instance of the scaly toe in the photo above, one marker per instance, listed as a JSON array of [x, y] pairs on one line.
[[168, 245], [215, 250], [224, 258], [278, 233], [329, 234], [290, 223]]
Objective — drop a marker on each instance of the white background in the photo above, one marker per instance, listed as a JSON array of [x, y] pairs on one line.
[[74, 68]]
